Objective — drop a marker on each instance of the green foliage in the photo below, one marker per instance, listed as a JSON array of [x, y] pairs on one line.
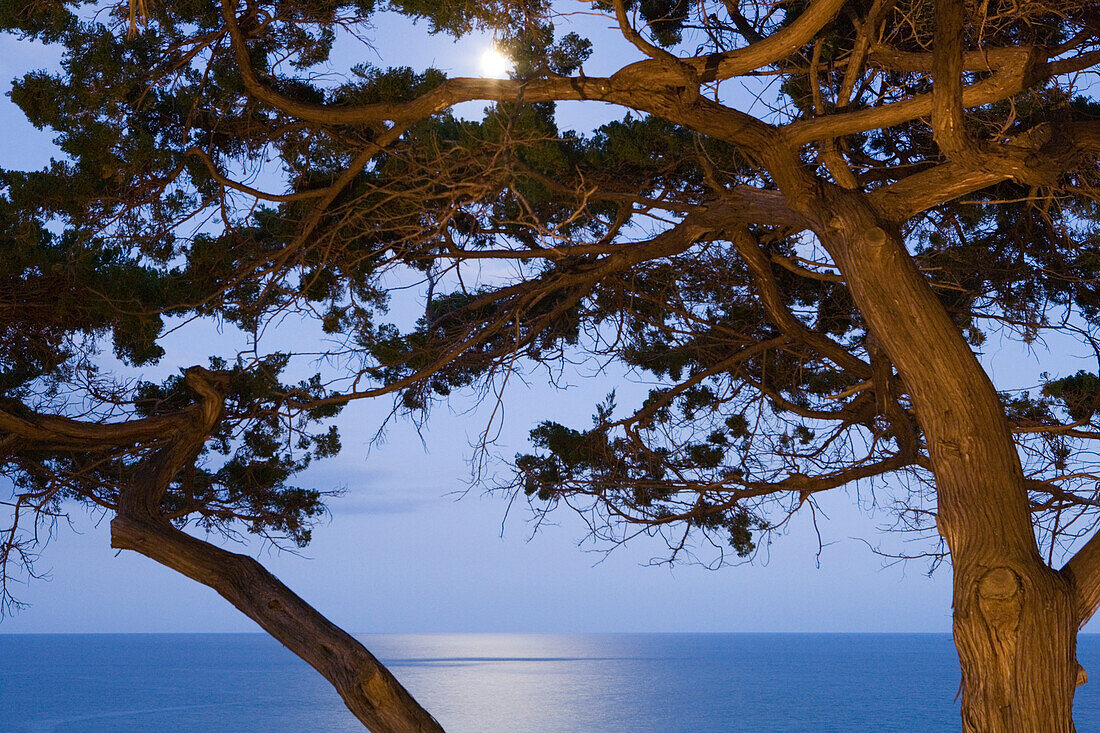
[[1079, 393], [458, 17], [254, 451], [526, 245], [664, 19], [567, 55]]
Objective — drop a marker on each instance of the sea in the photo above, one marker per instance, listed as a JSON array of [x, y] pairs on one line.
[[502, 683]]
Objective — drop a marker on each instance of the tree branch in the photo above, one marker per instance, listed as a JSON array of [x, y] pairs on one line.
[[368, 689], [1010, 78], [1083, 569], [775, 304], [948, 125]]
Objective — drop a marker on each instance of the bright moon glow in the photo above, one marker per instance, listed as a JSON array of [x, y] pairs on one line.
[[494, 63]]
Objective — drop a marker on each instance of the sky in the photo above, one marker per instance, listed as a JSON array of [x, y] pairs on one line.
[[405, 550]]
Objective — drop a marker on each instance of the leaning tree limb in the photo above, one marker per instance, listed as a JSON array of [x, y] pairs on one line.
[[368, 689]]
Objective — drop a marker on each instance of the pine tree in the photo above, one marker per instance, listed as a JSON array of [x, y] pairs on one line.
[[807, 287]]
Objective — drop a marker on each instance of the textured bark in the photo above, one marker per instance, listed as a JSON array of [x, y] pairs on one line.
[[1015, 619], [372, 694], [1016, 637]]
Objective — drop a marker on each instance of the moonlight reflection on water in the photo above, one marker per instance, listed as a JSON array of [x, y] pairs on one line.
[[501, 683]]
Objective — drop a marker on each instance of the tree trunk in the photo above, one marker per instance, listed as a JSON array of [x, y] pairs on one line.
[[372, 694], [1016, 634], [1016, 619]]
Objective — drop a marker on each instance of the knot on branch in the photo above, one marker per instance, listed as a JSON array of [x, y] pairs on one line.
[[377, 687], [1000, 598], [1000, 601], [875, 237]]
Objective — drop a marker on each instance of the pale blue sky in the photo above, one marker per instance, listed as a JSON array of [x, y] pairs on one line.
[[401, 554]]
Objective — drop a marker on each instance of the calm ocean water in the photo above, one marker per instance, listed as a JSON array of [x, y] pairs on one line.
[[502, 683]]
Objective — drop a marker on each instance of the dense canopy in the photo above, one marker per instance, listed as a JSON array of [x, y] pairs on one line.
[[804, 225]]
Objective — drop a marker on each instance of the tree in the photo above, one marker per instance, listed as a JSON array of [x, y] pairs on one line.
[[806, 288], [212, 448]]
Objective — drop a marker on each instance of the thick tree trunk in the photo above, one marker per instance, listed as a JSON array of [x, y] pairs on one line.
[[1016, 634], [1016, 619], [372, 694]]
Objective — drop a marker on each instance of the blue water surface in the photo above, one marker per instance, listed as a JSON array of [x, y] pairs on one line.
[[502, 683]]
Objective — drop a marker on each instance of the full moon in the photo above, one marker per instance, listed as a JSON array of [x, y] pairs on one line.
[[494, 63]]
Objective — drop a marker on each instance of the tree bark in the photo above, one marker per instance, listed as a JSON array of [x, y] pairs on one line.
[[1016, 637], [372, 694], [1015, 618]]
